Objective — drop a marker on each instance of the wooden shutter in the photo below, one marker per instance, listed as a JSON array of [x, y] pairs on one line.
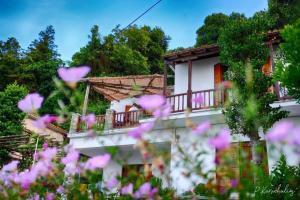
[[218, 78]]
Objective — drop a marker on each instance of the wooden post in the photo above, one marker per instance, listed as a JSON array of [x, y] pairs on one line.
[[86, 99], [165, 79], [276, 85], [189, 91]]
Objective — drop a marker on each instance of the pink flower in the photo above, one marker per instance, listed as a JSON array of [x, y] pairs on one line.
[[25, 179], [280, 131], [12, 166], [45, 146], [35, 197], [164, 111], [48, 154], [202, 128], [127, 189], [97, 162], [221, 141], [30, 103], [234, 183], [44, 121], [89, 119], [145, 190], [151, 102], [294, 137], [71, 157], [198, 99], [74, 74], [143, 128], [60, 189], [112, 183], [50, 196]]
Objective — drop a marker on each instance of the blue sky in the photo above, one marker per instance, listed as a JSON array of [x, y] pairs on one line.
[[72, 19]]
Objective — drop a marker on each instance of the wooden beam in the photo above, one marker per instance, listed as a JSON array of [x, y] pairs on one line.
[[165, 80], [86, 99]]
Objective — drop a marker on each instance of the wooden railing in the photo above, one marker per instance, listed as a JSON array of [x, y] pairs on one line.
[[282, 92], [100, 121], [126, 119], [211, 98], [178, 102]]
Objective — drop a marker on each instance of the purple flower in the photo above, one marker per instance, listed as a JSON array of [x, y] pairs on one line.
[[112, 183], [60, 189], [234, 183], [25, 179], [151, 102], [280, 131], [48, 154], [71, 157], [12, 166], [221, 141], [35, 197], [164, 111], [127, 189], [45, 146], [97, 162], [145, 190], [143, 128], [30, 103], [44, 121], [74, 74], [89, 119], [294, 137], [198, 99], [202, 128], [49, 196]]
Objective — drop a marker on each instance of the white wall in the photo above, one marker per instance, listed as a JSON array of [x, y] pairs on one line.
[[202, 75], [119, 106]]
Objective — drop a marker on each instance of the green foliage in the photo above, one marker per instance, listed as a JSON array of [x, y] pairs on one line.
[[209, 32], [136, 50], [283, 182], [10, 116], [243, 49], [284, 12], [10, 58], [288, 65]]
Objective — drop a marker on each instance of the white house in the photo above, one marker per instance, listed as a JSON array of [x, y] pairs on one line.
[[197, 71]]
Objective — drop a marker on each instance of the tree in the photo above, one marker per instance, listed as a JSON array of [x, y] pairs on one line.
[[10, 58], [283, 12], [10, 116], [92, 54], [209, 32], [40, 63], [244, 50], [288, 66]]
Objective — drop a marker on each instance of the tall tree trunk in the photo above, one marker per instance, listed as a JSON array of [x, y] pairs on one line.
[[256, 155]]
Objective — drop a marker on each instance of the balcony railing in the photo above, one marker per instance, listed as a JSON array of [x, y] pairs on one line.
[[126, 119], [211, 99], [179, 102]]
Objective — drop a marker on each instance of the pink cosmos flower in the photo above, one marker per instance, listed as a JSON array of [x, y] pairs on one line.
[[89, 119], [198, 99], [145, 190], [164, 111], [97, 162], [151, 102], [74, 74], [45, 146], [221, 141], [279, 131], [112, 183], [60, 189], [25, 179], [30, 103], [127, 189], [12, 166], [48, 154], [143, 128], [234, 183], [202, 128], [71, 157], [44, 121], [50, 196]]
